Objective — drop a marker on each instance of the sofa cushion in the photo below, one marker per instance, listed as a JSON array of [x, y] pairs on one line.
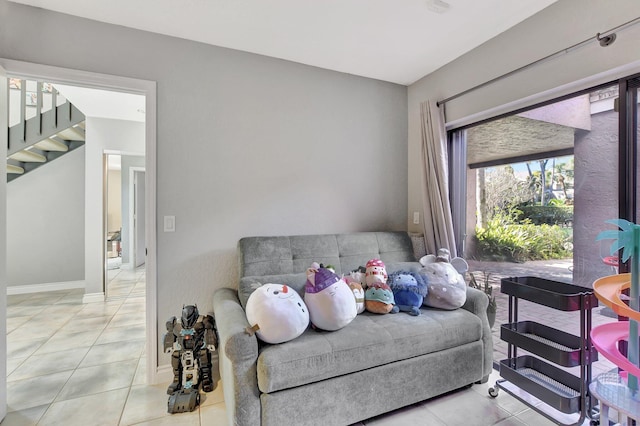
[[369, 340], [288, 255]]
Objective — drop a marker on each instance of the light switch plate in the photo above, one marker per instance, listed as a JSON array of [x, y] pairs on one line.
[[169, 224]]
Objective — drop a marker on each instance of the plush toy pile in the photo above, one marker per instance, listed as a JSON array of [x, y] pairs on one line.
[[277, 313], [378, 297]]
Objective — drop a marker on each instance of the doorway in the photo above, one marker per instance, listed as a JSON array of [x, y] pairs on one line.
[[122, 85], [125, 219]]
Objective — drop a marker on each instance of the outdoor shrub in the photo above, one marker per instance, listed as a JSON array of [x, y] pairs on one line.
[[551, 214], [504, 238]]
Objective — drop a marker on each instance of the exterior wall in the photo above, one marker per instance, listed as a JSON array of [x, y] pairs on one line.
[[596, 195]]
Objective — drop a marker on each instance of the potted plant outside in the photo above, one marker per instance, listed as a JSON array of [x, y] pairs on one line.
[[488, 290]]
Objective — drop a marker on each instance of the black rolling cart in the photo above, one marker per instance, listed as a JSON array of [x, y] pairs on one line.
[[565, 395]]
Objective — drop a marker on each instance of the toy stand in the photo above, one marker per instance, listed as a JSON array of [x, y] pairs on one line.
[[611, 388], [612, 392], [531, 379]]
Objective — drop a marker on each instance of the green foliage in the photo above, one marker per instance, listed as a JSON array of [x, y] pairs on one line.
[[504, 238], [552, 214], [486, 288]]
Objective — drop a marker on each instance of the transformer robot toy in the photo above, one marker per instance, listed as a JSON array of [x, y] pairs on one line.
[[192, 344]]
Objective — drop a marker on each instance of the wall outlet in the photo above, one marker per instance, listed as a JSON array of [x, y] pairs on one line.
[[416, 218]]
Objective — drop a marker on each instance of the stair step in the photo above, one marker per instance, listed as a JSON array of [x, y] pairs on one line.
[[27, 156], [16, 170], [52, 145], [72, 134]]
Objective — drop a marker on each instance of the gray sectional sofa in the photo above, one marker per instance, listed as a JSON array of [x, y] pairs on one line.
[[376, 364]]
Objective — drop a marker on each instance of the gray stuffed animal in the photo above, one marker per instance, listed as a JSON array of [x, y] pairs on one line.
[[447, 288]]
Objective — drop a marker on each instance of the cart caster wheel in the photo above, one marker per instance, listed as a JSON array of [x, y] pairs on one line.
[[493, 392], [594, 422]]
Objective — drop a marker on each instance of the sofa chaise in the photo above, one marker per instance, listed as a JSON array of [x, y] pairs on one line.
[[376, 364]]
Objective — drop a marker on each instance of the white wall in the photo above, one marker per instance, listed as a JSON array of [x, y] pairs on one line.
[[102, 135], [561, 25], [45, 223], [246, 145], [114, 200], [128, 161]]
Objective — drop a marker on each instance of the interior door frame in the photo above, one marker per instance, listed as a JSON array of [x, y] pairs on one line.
[[4, 124], [132, 220], [146, 88]]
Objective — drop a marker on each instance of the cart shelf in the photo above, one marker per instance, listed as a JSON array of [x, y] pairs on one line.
[[555, 345], [555, 387], [560, 390], [554, 294]]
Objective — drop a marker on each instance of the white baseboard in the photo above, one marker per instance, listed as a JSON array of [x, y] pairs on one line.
[[93, 297], [164, 374], [37, 288]]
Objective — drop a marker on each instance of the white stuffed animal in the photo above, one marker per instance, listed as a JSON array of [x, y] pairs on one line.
[[277, 313], [331, 302], [447, 288]]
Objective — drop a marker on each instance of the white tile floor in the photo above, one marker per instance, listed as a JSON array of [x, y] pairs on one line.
[[84, 364], [70, 363]]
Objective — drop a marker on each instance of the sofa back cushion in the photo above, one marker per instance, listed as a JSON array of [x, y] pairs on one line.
[[268, 256]]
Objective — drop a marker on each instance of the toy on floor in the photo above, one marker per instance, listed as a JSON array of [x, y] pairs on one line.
[[192, 344], [409, 290], [447, 288], [608, 290], [276, 313], [330, 300]]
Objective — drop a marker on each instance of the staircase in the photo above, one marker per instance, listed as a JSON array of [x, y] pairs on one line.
[[40, 135]]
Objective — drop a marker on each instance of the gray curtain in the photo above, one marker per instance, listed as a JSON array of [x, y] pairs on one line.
[[438, 225]]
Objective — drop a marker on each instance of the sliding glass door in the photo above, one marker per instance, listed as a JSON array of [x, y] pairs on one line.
[[539, 185]]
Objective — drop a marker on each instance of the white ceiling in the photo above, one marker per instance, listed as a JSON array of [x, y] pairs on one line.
[[105, 104], [399, 41]]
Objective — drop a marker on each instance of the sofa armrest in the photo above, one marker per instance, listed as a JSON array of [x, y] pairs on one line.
[[477, 303], [238, 357]]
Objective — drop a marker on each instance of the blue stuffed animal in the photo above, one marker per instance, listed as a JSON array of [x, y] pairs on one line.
[[409, 290]]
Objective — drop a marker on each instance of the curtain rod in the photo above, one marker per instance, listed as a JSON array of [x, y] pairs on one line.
[[606, 38]]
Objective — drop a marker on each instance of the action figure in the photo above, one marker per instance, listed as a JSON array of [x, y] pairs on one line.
[[192, 344]]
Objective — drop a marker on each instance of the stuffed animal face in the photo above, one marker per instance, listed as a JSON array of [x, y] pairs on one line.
[[379, 299], [278, 311], [330, 300], [409, 290], [376, 272]]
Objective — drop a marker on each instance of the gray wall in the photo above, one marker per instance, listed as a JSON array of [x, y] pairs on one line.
[[246, 145], [45, 223]]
